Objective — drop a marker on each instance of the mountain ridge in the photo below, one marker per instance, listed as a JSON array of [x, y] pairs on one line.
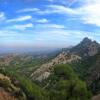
[[86, 46]]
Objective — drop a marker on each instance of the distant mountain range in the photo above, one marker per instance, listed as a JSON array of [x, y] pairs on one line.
[[33, 51]]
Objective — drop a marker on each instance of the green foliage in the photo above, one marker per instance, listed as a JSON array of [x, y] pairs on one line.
[[32, 90], [64, 71], [66, 85], [81, 67], [63, 85]]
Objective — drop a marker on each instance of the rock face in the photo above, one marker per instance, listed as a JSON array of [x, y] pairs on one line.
[[93, 49], [5, 95], [7, 88], [86, 47], [43, 72]]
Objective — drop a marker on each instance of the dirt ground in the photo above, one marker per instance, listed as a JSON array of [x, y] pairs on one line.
[[96, 97]]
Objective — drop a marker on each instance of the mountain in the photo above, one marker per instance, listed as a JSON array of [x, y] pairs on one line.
[[84, 59], [86, 48]]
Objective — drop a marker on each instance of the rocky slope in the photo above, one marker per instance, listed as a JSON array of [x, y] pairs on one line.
[[8, 90], [44, 71]]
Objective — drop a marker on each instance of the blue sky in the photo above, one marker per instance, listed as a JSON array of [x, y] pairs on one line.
[[48, 23]]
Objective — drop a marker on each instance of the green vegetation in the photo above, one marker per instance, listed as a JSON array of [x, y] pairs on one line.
[[63, 84], [31, 90], [87, 69], [25, 63], [81, 67]]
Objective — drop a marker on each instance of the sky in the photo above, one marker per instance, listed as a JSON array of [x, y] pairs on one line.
[[48, 23]]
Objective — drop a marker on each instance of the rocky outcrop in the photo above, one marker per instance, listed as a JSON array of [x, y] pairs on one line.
[[44, 71], [5, 95], [8, 90], [93, 49]]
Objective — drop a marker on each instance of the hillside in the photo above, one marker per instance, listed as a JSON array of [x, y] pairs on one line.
[[89, 70], [64, 84], [44, 70]]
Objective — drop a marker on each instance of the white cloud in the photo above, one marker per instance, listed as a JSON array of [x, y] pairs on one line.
[[28, 10], [51, 26], [20, 26], [68, 3], [6, 33], [42, 20], [2, 16], [24, 26], [55, 26], [89, 13], [64, 2], [59, 9], [21, 18]]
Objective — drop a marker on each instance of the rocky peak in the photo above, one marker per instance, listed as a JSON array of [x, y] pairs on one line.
[[86, 47], [86, 40]]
